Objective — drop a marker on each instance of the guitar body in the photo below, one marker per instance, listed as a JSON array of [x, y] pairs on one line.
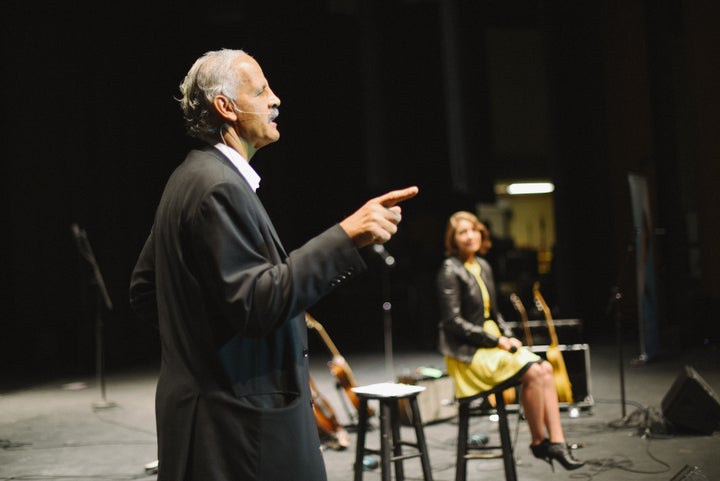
[[509, 396], [562, 380], [553, 354]]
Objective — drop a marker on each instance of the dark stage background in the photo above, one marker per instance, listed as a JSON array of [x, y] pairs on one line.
[[376, 95]]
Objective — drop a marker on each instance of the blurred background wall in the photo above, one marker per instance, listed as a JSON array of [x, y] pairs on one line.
[[459, 97]]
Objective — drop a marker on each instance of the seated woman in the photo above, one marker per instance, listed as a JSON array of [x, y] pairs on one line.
[[479, 349]]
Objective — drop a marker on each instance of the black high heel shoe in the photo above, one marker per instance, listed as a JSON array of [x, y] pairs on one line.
[[548, 451], [540, 451]]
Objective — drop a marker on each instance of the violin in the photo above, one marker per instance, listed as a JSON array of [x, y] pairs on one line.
[[331, 432], [338, 366]]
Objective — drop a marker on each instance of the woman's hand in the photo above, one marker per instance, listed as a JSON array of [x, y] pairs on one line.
[[509, 344]]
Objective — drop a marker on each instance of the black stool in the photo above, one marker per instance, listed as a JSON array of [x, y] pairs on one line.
[[465, 412], [390, 442]]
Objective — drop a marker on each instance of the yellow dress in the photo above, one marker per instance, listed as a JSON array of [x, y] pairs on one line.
[[490, 365]]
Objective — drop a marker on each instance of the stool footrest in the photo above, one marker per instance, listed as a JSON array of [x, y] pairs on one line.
[[409, 444], [484, 448], [403, 457], [484, 456], [397, 458]]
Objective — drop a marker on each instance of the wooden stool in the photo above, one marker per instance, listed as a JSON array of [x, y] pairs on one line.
[[465, 412], [390, 442]]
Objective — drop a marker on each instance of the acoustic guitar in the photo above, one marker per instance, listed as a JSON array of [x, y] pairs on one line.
[[338, 365], [553, 354]]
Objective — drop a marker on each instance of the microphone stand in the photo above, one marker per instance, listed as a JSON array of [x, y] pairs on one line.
[[613, 313], [103, 300], [389, 262]]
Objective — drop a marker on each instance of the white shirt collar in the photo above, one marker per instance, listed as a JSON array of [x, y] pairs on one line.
[[246, 170]]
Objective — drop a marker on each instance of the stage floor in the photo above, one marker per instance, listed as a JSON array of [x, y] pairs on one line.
[[54, 431]]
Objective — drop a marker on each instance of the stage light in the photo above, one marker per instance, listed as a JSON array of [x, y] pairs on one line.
[[521, 188]]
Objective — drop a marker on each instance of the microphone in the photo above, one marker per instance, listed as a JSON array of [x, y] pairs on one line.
[[513, 350], [384, 254], [274, 112]]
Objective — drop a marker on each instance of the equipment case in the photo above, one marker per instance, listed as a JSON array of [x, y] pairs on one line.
[[577, 362]]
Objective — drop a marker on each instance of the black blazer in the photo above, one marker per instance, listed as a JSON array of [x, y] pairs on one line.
[[462, 309], [233, 399]]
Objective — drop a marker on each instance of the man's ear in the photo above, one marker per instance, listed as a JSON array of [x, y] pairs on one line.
[[224, 108]]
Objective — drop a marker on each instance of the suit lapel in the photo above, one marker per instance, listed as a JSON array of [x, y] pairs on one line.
[[271, 228], [252, 194]]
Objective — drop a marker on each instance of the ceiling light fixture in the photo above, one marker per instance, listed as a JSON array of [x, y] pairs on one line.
[[520, 188]]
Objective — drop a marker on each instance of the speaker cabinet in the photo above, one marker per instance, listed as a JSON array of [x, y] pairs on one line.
[[436, 403], [691, 404], [569, 331]]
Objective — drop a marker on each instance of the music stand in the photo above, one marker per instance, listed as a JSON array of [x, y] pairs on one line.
[[103, 300]]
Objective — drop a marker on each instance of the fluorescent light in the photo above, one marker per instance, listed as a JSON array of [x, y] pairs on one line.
[[519, 188]]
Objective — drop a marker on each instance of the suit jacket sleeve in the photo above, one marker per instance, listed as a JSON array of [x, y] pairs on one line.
[[238, 265]]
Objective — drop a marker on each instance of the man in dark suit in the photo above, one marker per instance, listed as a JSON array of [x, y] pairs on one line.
[[233, 400]]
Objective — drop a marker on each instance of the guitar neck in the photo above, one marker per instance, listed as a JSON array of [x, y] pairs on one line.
[[548, 316], [312, 323], [338, 358], [523, 317]]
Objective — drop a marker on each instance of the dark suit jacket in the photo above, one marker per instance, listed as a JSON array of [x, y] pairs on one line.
[[462, 310], [233, 401]]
